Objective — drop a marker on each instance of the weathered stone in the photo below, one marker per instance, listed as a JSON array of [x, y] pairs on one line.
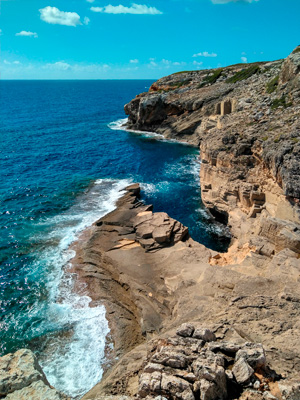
[[170, 358], [209, 370], [176, 387], [162, 234], [205, 334], [150, 383], [185, 330], [225, 347], [242, 371], [18, 370], [36, 391], [22, 378], [253, 354]]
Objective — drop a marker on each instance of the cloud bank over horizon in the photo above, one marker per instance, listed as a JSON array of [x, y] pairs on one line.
[[137, 9], [232, 1]]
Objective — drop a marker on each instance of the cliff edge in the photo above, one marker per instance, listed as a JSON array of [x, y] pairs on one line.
[[245, 118]]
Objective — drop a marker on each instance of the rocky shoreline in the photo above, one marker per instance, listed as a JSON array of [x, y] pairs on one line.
[[187, 322]]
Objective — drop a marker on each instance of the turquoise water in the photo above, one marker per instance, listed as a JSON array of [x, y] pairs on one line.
[[63, 162]]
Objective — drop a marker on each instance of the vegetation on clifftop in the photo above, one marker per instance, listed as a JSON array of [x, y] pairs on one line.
[[244, 74]]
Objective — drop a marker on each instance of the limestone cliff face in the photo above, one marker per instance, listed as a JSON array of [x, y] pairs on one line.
[[245, 118]]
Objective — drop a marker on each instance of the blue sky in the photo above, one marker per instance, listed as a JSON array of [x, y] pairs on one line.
[[120, 39]]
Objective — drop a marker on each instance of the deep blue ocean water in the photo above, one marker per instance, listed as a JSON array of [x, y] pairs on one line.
[[62, 167]]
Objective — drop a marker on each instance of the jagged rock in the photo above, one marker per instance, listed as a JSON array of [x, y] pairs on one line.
[[170, 358], [177, 387], [290, 67], [150, 383], [253, 354], [205, 334], [242, 371], [185, 330], [209, 370], [225, 347], [157, 230]]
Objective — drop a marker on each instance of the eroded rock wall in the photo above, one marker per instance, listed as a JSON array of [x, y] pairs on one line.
[[245, 118]]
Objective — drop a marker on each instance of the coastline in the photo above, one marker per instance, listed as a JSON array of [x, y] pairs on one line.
[[152, 277]]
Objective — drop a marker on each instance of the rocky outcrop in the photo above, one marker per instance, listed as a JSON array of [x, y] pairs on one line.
[[148, 295], [245, 118], [21, 378], [187, 367]]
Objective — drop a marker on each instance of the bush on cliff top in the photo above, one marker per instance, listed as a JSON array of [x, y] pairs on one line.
[[211, 79], [244, 74], [272, 84]]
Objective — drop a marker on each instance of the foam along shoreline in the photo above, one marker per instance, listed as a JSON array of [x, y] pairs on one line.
[[76, 331], [121, 125]]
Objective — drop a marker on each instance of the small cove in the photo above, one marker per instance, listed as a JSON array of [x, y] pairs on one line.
[[62, 168]]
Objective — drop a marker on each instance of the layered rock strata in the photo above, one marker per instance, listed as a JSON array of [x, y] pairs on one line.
[[245, 118], [149, 292]]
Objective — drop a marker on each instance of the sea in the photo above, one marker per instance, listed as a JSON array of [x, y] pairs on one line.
[[65, 158]]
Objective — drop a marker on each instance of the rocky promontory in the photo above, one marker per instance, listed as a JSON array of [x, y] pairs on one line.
[[245, 118]]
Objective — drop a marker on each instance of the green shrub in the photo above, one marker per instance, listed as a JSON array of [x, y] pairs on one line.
[[180, 83], [280, 103], [272, 84], [244, 74], [211, 79], [297, 50]]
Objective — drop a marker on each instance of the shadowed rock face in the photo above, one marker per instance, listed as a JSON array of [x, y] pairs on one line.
[[245, 118]]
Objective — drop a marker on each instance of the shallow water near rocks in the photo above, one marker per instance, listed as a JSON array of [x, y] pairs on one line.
[[63, 164]]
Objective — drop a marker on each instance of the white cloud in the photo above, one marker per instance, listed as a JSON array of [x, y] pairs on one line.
[[244, 59], [135, 61], [59, 65], [27, 33], [134, 9], [205, 54], [53, 15], [232, 1], [197, 63], [86, 20], [11, 63]]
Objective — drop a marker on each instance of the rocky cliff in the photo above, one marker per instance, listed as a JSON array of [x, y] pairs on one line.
[[245, 118]]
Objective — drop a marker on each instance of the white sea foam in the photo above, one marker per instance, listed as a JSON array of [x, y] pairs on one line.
[[120, 125], [72, 360]]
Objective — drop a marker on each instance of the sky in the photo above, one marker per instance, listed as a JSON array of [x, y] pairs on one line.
[[120, 39]]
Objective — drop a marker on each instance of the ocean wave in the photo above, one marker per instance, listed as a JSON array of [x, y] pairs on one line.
[[72, 357], [120, 125]]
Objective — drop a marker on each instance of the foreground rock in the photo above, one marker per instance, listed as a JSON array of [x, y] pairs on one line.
[[21, 378], [149, 294]]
